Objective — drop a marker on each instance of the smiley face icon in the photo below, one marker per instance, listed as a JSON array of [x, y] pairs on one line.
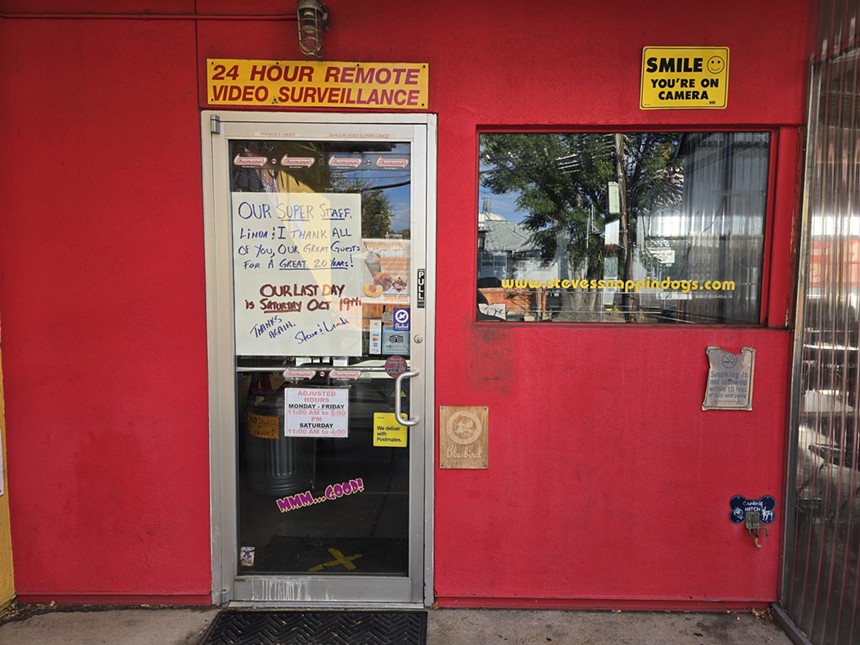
[[716, 64]]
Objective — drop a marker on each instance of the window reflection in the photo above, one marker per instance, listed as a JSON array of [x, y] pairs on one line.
[[649, 227]]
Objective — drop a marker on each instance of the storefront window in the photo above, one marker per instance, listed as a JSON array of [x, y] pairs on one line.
[[636, 227]]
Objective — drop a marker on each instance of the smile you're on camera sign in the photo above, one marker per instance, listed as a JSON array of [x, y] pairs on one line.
[[684, 78]]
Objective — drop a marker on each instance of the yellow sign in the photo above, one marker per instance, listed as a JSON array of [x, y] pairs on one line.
[[684, 78], [389, 86], [387, 433]]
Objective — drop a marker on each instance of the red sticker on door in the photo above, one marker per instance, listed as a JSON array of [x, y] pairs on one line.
[[395, 366]]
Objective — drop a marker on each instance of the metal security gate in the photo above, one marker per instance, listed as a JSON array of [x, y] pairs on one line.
[[821, 583]]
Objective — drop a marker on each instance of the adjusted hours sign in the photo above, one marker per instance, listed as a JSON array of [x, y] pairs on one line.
[[316, 412], [684, 78]]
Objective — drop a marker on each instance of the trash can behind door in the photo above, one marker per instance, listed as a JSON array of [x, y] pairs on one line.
[[275, 464]]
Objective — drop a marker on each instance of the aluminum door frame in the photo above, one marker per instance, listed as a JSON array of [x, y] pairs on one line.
[[217, 127]]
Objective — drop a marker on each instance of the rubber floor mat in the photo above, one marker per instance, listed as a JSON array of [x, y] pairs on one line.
[[317, 628]]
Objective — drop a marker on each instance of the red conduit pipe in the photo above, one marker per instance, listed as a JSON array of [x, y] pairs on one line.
[[143, 16]]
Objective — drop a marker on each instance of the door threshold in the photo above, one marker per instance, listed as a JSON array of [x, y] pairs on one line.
[[322, 606]]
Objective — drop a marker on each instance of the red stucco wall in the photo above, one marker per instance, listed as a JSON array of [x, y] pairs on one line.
[[607, 484], [103, 305]]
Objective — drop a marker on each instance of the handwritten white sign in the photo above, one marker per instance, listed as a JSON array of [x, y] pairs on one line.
[[297, 273]]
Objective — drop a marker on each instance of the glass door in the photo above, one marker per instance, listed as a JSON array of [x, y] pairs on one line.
[[318, 255]]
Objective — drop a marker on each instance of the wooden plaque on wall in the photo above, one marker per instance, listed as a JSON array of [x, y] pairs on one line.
[[463, 433]]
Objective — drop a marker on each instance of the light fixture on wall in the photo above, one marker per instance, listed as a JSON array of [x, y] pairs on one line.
[[312, 17]]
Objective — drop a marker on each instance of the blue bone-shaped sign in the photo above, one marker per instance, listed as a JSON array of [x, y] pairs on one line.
[[740, 505]]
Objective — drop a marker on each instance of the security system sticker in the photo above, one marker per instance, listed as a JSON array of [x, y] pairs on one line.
[[741, 506], [401, 319]]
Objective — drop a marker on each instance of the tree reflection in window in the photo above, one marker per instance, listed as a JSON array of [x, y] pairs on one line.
[[662, 227]]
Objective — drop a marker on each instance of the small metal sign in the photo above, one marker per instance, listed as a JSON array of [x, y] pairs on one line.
[[463, 436], [730, 379]]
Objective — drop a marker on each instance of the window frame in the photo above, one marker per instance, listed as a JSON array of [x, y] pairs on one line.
[[777, 236]]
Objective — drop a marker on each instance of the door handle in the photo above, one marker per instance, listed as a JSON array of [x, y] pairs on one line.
[[397, 385]]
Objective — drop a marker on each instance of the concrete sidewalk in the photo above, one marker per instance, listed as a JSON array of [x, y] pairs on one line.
[[150, 626]]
